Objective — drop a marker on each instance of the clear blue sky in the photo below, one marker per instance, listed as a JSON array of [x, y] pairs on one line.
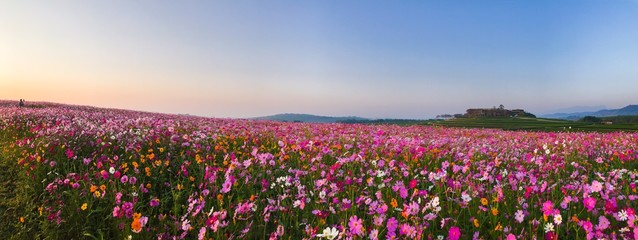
[[378, 59]]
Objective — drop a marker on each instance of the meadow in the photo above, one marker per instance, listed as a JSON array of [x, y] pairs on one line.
[[622, 123], [79, 172]]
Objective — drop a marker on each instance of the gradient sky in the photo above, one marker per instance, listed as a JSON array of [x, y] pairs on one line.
[[377, 59]]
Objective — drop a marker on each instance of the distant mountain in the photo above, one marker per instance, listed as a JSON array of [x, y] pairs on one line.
[[578, 109], [294, 117], [629, 110]]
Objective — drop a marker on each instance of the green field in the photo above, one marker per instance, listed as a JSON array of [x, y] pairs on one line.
[[534, 124]]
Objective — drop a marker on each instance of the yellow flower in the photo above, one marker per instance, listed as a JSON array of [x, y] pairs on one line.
[[494, 211], [84, 206], [498, 227], [484, 201], [21, 219], [476, 223], [97, 193]]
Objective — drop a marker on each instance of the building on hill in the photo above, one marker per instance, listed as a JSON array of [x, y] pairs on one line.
[[496, 112]]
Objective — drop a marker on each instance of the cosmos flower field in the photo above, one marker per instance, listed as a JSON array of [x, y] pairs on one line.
[[116, 174]]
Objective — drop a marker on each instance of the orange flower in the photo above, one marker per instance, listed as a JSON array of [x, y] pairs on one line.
[[93, 188], [103, 187], [484, 201], [476, 223], [136, 225], [575, 219], [394, 203], [494, 211]]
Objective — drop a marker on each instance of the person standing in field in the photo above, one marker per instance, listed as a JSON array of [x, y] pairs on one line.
[[21, 103]]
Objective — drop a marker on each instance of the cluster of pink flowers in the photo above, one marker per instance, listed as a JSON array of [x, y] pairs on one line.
[[170, 176]]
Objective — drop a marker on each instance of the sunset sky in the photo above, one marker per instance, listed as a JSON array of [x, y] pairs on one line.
[[376, 59]]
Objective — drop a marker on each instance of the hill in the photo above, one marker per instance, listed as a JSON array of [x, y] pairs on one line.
[[295, 117], [630, 110]]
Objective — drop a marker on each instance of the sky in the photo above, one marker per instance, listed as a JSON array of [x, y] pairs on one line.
[[375, 59]]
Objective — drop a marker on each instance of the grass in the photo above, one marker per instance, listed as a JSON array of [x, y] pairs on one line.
[[534, 124], [15, 193]]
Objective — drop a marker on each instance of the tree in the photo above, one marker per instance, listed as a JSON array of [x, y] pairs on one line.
[[592, 119]]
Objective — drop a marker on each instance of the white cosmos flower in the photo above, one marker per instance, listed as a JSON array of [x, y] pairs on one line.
[[622, 215], [329, 233], [112, 170], [558, 219], [322, 194], [466, 197], [549, 227]]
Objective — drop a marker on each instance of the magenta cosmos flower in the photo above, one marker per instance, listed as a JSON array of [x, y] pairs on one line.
[[454, 233]]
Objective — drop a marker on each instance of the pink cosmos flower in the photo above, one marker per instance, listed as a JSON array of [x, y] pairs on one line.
[[412, 183], [589, 203], [226, 187], [548, 207], [116, 212], [511, 237], [154, 202], [519, 216], [356, 227], [124, 179], [603, 223], [596, 186], [454, 233]]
